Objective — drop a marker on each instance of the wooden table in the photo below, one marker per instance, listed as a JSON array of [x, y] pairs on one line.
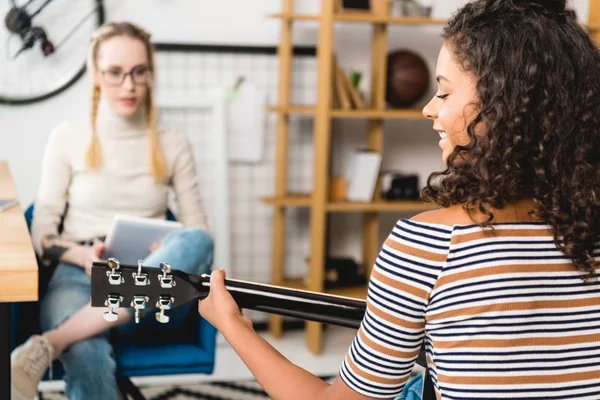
[[18, 270]]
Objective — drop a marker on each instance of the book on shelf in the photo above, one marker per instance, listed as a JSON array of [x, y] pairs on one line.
[[362, 174], [344, 94]]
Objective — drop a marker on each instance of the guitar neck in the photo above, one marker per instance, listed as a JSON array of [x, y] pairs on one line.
[[143, 287], [311, 306]]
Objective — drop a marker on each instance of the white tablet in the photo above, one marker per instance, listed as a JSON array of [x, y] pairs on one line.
[[130, 238]]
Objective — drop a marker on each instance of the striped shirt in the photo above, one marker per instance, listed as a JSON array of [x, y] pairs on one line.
[[503, 314]]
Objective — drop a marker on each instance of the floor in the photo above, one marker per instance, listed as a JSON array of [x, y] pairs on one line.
[[228, 367]]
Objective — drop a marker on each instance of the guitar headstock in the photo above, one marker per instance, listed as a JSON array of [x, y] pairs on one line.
[[115, 285]]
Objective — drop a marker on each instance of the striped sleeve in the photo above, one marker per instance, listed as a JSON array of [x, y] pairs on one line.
[[383, 353]]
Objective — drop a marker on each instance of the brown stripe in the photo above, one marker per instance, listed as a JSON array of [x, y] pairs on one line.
[[502, 270], [373, 378], [518, 306], [401, 287], [394, 321], [386, 350], [518, 342], [511, 381], [499, 232], [430, 362], [413, 251]]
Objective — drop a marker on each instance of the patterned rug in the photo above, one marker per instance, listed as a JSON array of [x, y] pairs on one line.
[[242, 390]]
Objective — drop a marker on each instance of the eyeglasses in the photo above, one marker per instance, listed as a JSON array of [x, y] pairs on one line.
[[114, 77]]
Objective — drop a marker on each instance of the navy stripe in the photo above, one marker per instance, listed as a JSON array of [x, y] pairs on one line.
[[567, 313], [421, 243], [456, 250], [521, 352], [509, 296], [523, 324], [446, 232], [402, 276], [411, 344], [511, 279], [442, 360], [377, 288], [507, 250], [541, 287], [396, 369], [515, 369], [371, 320], [536, 224], [563, 397], [364, 350], [517, 389], [483, 262]]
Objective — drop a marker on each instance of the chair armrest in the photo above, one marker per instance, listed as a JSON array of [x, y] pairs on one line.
[[206, 336]]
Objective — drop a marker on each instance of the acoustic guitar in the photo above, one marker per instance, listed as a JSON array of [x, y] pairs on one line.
[[115, 285]]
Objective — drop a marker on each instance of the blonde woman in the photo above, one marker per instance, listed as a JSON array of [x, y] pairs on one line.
[[117, 162]]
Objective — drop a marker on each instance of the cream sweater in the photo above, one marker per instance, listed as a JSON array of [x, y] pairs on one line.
[[123, 185]]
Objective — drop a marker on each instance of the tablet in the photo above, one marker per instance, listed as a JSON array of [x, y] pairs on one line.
[[130, 238]]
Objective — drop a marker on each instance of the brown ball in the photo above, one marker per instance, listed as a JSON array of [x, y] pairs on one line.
[[407, 78]]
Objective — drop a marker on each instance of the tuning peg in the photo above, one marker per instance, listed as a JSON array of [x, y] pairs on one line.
[[162, 317], [112, 302], [114, 277], [164, 303], [138, 303], [140, 278], [166, 279], [110, 316], [165, 267]]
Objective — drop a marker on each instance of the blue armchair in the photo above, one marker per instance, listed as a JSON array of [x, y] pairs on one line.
[[192, 351]]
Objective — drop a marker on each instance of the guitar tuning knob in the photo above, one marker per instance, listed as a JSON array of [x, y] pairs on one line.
[[110, 316], [162, 317], [165, 267], [112, 302], [138, 303], [164, 303], [114, 277], [166, 279]]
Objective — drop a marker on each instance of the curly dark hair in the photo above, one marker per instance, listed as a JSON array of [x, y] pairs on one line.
[[537, 75]]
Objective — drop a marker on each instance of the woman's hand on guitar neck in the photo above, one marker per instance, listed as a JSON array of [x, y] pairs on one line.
[[219, 308]]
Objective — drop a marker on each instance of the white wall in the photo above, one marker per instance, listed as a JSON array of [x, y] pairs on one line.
[[410, 145]]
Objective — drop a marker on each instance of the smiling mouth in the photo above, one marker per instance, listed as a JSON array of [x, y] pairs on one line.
[[443, 134]]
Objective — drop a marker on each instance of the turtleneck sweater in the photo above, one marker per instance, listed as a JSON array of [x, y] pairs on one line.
[[122, 185]]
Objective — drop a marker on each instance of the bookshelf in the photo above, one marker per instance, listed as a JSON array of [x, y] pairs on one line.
[[323, 113]]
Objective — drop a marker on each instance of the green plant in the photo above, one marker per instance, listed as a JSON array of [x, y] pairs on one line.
[[356, 76]]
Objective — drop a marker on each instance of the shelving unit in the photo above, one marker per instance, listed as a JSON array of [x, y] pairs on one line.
[[323, 114]]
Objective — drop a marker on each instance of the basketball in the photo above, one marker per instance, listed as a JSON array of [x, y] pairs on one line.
[[407, 78]]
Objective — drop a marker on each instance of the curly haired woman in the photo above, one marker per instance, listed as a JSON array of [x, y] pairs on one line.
[[501, 283]]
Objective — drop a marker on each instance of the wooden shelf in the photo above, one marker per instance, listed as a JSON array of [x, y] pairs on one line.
[[383, 206], [291, 200], [363, 17], [408, 113], [368, 17], [301, 17], [355, 292], [301, 110], [376, 19], [304, 200], [364, 113]]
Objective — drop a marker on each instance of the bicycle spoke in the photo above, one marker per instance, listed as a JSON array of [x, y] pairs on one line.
[[79, 24]]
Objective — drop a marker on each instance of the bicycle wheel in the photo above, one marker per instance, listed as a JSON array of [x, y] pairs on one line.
[[45, 46]]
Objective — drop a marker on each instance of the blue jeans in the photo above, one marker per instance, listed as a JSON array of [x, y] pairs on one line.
[[89, 365]]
